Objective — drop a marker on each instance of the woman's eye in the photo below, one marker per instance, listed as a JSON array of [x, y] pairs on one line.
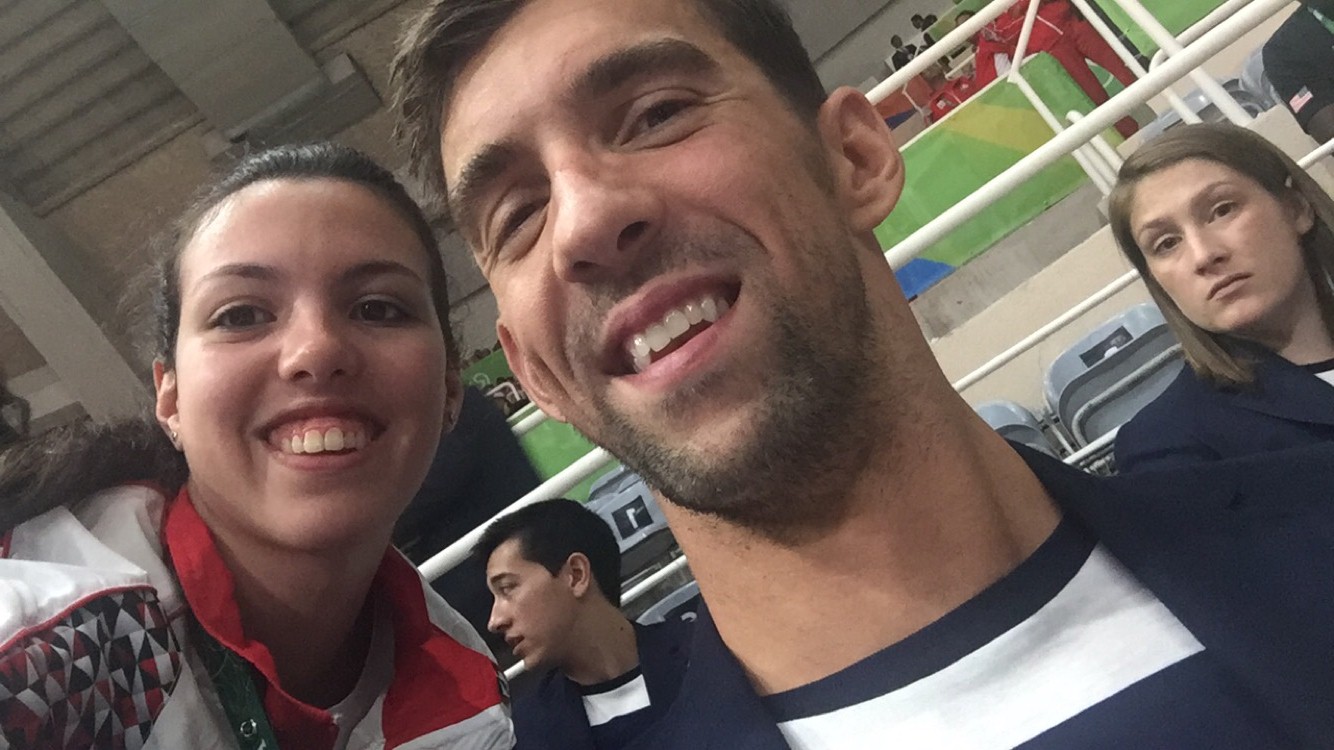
[[1165, 245], [1223, 209], [379, 311], [240, 317]]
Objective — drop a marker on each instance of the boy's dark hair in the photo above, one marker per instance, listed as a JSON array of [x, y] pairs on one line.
[[552, 530], [439, 43]]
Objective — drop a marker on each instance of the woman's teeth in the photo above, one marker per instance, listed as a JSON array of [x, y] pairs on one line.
[[673, 325], [322, 441]]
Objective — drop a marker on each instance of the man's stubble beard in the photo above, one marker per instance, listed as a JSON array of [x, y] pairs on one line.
[[809, 434]]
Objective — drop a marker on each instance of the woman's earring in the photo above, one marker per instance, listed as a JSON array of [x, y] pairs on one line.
[[175, 440]]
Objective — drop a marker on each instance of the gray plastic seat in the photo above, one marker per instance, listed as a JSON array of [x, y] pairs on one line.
[[1103, 380], [626, 504], [1255, 83], [680, 604], [1015, 423], [1203, 108]]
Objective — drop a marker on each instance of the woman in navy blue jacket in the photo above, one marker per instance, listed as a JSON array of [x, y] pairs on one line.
[[1235, 243]]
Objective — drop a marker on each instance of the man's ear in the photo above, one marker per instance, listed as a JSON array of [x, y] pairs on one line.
[[866, 164], [580, 572], [536, 380], [164, 386]]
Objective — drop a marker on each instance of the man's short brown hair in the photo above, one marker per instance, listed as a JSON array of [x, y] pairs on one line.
[[438, 44]]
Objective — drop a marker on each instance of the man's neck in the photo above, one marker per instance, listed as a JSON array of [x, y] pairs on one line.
[[605, 647], [933, 520]]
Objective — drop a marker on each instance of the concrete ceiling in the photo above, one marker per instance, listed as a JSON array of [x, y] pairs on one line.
[[112, 112]]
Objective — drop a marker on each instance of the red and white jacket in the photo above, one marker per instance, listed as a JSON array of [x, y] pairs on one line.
[[95, 650]]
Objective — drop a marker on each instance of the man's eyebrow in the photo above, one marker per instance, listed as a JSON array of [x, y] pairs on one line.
[[655, 57], [481, 170], [603, 76]]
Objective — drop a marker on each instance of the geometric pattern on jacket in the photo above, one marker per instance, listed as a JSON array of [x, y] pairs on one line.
[[91, 695]]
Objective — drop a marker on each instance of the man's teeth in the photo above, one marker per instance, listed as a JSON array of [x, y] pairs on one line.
[[320, 441], [674, 323]]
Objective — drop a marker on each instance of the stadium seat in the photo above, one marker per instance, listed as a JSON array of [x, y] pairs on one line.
[[677, 605], [1016, 423], [1205, 109], [626, 504], [1103, 380], [1255, 83]]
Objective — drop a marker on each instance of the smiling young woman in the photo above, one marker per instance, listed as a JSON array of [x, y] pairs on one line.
[[223, 572], [1236, 245]]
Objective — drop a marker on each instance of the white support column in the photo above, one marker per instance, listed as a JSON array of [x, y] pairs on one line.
[[57, 324]]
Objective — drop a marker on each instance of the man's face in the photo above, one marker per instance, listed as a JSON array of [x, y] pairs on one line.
[[533, 609], [675, 273]]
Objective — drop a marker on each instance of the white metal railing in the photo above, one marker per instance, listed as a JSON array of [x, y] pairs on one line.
[[1207, 39], [1076, 135], [1169, 44], [581, 469], [1325, 149]]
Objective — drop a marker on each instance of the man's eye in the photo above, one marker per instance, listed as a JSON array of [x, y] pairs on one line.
[[660, 113], [239, 317], [514, 221], [379, 311], [655, 116]]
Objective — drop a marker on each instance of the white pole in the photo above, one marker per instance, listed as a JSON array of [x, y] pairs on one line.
[[1021, 49], [1074, 136], [1206, 83], [1128, 57], [1306, 162], [1096, 171], [1101, 146], [447, 558], [1041, 334], [526, 425]]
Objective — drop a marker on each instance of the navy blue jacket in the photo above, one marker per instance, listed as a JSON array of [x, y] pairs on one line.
[[1240, 551], [552, 717], [1195, 421]]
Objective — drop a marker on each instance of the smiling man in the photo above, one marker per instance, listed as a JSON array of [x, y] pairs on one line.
[[677, 223]]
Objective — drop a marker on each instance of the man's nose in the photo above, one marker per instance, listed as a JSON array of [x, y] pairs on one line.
[[498, 622], [601, 225]]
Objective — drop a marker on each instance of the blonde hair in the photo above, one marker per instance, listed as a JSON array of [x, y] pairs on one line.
[[1219, 358]]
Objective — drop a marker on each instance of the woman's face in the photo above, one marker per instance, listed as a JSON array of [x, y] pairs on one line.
[[310, 383], [1226, 250]]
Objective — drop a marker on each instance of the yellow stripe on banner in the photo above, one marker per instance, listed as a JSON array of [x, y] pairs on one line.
[[1020, 130]]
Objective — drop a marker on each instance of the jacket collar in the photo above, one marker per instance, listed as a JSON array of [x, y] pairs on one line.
[[437, 681], [1199, 538], [1286, 391]]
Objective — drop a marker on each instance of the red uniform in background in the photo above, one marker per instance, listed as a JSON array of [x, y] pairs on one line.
[[1061, 32]]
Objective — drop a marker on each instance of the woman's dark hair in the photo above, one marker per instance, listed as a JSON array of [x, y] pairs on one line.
[[67, 464]]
